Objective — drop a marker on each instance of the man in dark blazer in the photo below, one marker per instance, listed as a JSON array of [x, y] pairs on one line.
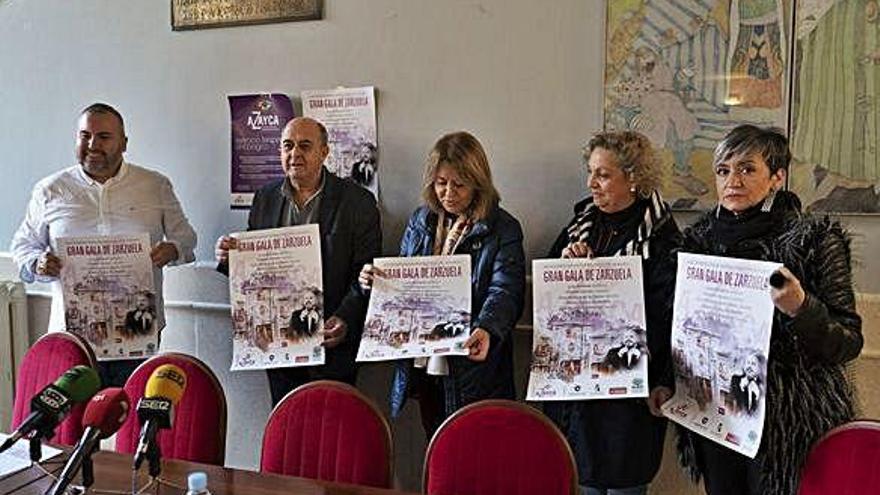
[[351, 236]]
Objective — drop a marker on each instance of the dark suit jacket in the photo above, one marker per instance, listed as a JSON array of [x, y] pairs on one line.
[[138, 326], [351, 236], [300, 326], [741, 397]]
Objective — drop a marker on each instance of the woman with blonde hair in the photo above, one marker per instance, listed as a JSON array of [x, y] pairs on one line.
[[461, 215], [618, 443]]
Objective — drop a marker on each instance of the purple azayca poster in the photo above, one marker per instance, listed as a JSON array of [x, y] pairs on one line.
[[256, 124]]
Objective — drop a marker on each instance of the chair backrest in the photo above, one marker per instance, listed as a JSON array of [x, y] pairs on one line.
[[46, 360], [496, 447], [329, 431], [846, 461], [198, 431]]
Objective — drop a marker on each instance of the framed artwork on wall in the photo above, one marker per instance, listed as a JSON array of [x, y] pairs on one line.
[[685, 72], [835, 118], [202, 14]]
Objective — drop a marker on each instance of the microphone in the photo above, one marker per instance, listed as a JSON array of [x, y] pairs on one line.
[[777, 280], [156, 410], [52, 404], [104, 414]]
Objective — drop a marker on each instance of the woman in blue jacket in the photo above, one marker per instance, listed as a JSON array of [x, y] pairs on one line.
[[461, 215]]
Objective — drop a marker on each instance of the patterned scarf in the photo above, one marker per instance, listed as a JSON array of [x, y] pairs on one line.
[[450, 231], [656, 214]]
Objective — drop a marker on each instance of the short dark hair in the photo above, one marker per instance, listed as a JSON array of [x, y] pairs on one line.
[[104, 109], [769, 142]]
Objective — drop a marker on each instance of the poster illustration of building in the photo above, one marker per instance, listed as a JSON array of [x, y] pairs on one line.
[[590, 337], [350, 117], [276, 295], [721, 325], [109, 294], [256, 121], [421, 307]]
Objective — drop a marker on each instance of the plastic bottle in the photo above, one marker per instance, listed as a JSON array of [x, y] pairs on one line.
[[197, 483]]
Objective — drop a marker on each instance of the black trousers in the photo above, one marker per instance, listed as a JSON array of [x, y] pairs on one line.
[[283, 380], [115, 373], [726, 472]]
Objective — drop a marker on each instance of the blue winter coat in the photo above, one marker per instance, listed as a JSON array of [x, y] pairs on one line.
[[497, 287]]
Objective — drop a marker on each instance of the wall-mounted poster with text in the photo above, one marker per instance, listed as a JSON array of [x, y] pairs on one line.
[[256, 124]]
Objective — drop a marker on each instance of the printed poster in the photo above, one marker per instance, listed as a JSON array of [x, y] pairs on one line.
[[350, 117], [109, 294], [589, 329], [422, 307], [721, 326], [277, 298], [256, 122]]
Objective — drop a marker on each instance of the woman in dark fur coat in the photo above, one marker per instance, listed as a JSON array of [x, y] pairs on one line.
[[816, 330]]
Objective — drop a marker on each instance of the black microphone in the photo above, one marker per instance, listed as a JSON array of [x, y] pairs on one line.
[[103, 416], [155, 411], [51, 405], [777, 280]]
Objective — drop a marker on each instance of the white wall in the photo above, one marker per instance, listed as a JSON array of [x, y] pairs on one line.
[[523, 76]]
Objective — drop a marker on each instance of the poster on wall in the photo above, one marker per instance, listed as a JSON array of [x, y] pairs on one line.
[[686, 73], [590, 337], [109, 294], [277, 299], [256, 124], [835, 123], [421, 307], [350, 117], [721, 325]]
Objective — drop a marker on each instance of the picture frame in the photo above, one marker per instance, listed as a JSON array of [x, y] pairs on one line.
[[206, 14]]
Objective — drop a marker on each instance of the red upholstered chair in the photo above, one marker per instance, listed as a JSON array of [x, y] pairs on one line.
[[46, 360], [496, 447], [846, 461], [198, 432], [328, 431]]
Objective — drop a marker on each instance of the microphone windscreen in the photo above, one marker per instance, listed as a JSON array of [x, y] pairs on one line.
[[80, 383], [168, 382], [107, 410]]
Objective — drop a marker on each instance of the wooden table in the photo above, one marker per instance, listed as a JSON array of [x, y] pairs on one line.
[[113, 472]]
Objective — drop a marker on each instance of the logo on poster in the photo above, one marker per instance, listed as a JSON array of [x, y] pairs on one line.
[[256, 121]]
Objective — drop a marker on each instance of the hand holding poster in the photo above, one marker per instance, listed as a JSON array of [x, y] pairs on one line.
[[421, 307], [589, 329], [276, 294], [109, 295], [721, 326], [350, 117]]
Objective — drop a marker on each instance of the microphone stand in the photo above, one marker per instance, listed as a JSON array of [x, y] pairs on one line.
[[35, 447], [88, 470], [154, 458]]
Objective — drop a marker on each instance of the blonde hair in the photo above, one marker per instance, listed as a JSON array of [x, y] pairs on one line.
[[461, 152], [634, 155]]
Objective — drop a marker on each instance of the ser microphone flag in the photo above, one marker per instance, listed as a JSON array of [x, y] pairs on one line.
[[155, 410], [53, 402], [104, 415]]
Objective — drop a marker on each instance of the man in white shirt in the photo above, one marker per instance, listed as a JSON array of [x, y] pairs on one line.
[[103, 195]]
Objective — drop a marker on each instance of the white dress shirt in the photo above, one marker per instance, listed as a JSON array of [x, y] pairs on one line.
[[70, 203]]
